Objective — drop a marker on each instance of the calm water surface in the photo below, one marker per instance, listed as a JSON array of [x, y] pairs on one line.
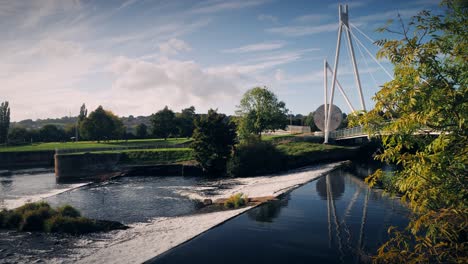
[[335, 219]]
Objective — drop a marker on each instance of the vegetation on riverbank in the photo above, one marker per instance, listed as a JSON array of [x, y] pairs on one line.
[[159, 142], [428, 93], [256, 157], [41, 217], [235, 201]]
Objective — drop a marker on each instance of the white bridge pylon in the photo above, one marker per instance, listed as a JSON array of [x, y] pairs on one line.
[[328, 102]]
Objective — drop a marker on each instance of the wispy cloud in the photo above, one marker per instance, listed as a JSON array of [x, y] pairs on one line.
[[382, 16], [311, 18], [173, 47], [264, 46], [215, 6], [268, 18], [350, 4], [297, 31]]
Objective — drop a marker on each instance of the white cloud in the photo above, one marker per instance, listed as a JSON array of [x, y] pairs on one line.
[[221, 5], [269, 18], [350, 4], [170, 82], [311, 18], [297, 31], [173, 47], [264, 46]]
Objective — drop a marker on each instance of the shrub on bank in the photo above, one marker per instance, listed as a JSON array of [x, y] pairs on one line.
[[236, 201], [41, 217], [256, 157], [68, 211]]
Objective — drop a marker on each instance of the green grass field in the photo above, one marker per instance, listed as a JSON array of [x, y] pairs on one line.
[[301, 148], [94, 144]]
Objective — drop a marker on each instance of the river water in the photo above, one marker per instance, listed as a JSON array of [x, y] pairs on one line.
[[334, 219]]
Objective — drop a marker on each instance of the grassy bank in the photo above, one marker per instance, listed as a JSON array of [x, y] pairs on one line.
[[93, 144]]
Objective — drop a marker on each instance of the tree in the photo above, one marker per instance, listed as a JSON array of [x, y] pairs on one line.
[[101, 125], [309, 121], [83, 113], [18, 135], [260, 110], [427, 103], [4, 121], [141, 131], [185, 122], [51, 133], [163, 123], [213, 142]]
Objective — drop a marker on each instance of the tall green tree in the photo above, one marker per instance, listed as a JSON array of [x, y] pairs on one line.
[[427, 104], [213, 142], [142, 131], [101, 125], [19, 135], [83, 113], [51, 133], [260, 110], [185, 121], [163, 123], [4, 121]]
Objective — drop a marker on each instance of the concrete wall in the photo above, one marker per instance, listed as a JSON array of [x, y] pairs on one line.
[[85, 167], [24, 159]]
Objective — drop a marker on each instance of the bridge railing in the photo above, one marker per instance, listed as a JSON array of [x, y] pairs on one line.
[[348, 132]]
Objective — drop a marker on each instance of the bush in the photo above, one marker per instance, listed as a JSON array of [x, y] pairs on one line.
[[12, 219], [31, 207], [68, 211], [41, 217], [70, 225], [236, 201], [255, 157], [33, 220]]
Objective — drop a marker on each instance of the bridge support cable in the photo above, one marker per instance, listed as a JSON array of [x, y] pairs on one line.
[[364, 34], [348, 102], [367, 64], [372, 56]]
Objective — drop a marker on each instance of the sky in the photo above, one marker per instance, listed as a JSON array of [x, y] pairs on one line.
[[134, 57]]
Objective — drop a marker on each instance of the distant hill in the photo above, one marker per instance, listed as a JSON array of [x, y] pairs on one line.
[[130, 122]]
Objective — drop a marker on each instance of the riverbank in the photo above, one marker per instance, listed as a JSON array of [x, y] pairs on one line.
[[144, 241]]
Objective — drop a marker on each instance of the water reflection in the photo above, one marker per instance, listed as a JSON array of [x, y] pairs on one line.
[[269, 211], [336, 185]]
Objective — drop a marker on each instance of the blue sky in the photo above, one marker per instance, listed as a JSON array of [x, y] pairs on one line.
[[136, 56]]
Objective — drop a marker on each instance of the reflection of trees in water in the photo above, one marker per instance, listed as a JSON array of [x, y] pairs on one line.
[[337, 185], [268, 211]]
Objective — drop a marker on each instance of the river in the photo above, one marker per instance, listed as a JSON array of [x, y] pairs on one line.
[[333, 219]]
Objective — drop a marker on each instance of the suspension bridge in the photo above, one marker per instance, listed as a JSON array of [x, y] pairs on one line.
[[328, 118]]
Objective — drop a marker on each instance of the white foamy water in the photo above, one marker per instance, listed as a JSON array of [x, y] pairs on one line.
[[30, 186]]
